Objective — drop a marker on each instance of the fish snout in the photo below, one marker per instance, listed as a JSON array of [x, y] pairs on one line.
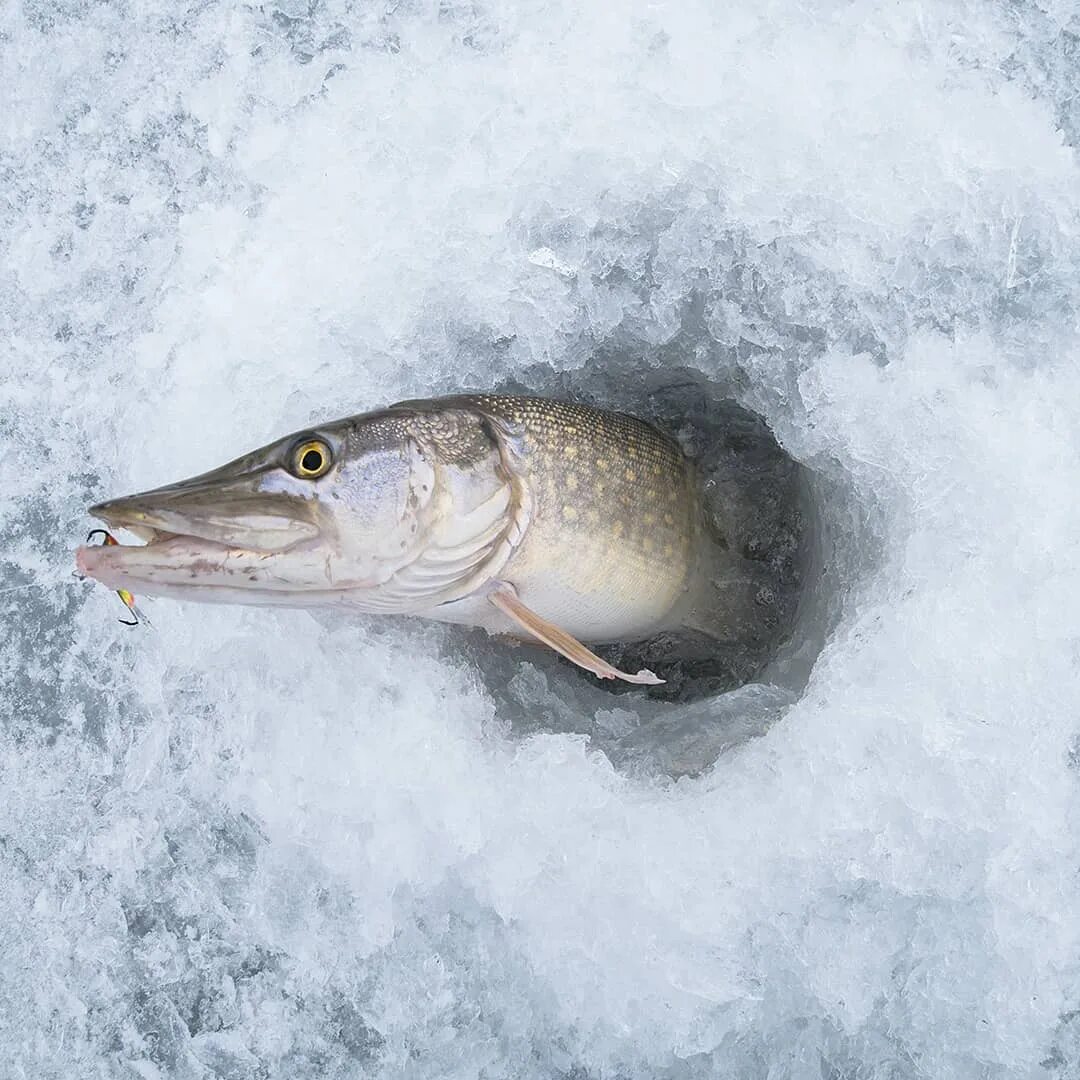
[[236, 518]]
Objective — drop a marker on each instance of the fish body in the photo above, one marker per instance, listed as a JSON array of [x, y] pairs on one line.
[[511, 513], [614, 521]]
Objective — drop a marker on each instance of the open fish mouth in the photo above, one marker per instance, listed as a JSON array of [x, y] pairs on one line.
[[210, 555]]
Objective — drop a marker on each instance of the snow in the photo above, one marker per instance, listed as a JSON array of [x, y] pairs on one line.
[[257, 844]]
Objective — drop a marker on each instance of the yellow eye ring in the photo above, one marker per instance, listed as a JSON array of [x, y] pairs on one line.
[[311, 459]]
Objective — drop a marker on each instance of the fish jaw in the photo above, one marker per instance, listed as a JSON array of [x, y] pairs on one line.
[[189, 566], [308, 572], [214, 535], [182, 567], [233, 514]]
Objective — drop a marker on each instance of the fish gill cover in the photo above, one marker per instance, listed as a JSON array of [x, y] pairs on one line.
[[252, 844]]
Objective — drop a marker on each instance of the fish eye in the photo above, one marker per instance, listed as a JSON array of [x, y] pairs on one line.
[[311, 459]]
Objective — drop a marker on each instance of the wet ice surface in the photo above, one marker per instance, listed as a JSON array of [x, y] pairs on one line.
[[253, 844]]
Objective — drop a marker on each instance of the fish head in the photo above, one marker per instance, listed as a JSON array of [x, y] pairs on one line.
[[330, 515]]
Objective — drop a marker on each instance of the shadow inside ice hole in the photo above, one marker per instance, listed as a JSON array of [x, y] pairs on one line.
[[717, 694]]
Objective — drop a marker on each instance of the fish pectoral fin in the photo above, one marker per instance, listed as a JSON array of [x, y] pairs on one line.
[[504, 596]]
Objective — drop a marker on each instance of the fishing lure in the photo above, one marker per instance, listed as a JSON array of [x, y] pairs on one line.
[[129, 600]]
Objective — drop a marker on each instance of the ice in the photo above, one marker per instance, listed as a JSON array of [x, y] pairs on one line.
[[252, 844]]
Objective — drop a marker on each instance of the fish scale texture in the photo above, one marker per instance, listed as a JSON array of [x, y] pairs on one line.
[[616, 511]]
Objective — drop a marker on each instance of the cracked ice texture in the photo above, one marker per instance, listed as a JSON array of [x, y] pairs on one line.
[[251, 844]]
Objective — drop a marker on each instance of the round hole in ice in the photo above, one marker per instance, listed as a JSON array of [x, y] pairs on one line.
[[716, 695]]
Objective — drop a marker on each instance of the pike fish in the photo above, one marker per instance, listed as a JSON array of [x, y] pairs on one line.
[[530, 517]]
